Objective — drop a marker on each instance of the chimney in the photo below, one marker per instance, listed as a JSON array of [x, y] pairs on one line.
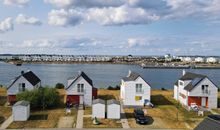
[[129, 73], [184, 71], [22, 72]]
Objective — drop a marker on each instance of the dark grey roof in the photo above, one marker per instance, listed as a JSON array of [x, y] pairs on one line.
[[195, 79], [131, 77], [29, 76], [96, 101], [22, 103], [81, 73], [113, 101], [209, 123]]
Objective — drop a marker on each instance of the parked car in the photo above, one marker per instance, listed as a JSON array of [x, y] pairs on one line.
[[139, 116], [194, 107]]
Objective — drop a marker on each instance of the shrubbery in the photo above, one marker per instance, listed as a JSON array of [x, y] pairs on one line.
[[43, 97], [117, 87], [59, 86]]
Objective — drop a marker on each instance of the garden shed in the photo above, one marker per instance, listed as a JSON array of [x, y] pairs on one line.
[[21, 111], [113, 109], [98, 108]]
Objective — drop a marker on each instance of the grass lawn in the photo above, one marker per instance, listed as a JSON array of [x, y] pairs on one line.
[[88, 111], [108, 94], [105, 123], [5, 112], [39, 119]]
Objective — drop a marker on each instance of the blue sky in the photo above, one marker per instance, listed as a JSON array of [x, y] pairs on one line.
[[113, 27]]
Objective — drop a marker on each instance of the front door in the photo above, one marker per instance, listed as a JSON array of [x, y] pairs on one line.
[[81, 99], [203, 102]]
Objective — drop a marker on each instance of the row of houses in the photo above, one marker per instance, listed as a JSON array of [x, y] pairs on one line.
[[189, 89], [200, 59], [56, 58]]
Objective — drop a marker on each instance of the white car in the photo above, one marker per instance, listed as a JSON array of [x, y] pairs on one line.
[[194, 107]]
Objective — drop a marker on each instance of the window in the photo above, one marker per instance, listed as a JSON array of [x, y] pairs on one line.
[[181, 83], [21, 87], [205, 88], [139, 88], [80, 88]]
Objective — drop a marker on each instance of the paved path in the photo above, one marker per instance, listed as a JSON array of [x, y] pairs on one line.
[[124, 120], [79, 122], [7, 122], [66, 122]]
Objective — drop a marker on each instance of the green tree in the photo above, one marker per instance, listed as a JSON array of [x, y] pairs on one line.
[[59, 86], [44, 97]]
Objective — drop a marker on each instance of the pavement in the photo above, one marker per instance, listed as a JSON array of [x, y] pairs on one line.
[[124, 120], [7, 122], [66, 122], [79, 121]]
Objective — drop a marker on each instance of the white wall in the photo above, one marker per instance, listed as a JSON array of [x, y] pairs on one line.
[[176, 92], [87, 91], [14, 89], [21, 113], [212, 95], [98, 110], [181, 90], [113, 111], [130, 92]]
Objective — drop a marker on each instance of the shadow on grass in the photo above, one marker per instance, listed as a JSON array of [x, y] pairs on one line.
[[3, 100], [106, 97], [2, 119], [38, 117], [160, 100]]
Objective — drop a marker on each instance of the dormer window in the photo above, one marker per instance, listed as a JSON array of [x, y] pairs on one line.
[[181, 83]]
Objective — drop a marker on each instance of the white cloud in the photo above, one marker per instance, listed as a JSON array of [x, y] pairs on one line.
[[122, 15], [64, 17], [16, 2], [6, 25], [85, 3], [139, 42], [23, 19]]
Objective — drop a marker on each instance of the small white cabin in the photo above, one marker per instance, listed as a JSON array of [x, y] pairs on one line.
[[113, 109], [98, 108], [21, 111]]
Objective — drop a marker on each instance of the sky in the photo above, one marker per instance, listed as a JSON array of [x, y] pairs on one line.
[[110, 27]]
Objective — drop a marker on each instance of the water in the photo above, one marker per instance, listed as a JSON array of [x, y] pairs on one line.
[[103, 75]]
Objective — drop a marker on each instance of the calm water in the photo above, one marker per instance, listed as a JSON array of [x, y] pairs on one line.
[[103, 75]]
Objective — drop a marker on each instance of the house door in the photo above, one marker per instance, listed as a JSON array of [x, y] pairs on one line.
[[81, 100], [203, 102]]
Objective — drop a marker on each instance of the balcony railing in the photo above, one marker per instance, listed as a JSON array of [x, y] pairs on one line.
[[206, 92], [140, 92]]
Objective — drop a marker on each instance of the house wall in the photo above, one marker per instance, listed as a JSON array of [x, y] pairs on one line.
[[20, 113], [130, 92], [212, 92], [87, 91], [14, 89], [113, 111], [98, 110], [182, 95], [176, 92]]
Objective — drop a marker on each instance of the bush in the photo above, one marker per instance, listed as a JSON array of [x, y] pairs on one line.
[[59, 86], [43, 97], [117, 87]]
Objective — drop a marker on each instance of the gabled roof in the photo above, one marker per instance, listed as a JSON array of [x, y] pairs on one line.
[[81, 74], [29, 76], [97, 101], [195, 79], [131, 77], [211, 122], [22, 103], [113, 101]]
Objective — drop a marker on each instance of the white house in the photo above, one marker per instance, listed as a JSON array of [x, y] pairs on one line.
[[187, 59], [196, 89], [98, 108], [25, 81], [113, 109], [80, 90], [199, 60], [211, 60], [21, 111], [135, 91]]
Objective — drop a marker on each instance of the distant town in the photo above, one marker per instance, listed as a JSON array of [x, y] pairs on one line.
[[166, 61]]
